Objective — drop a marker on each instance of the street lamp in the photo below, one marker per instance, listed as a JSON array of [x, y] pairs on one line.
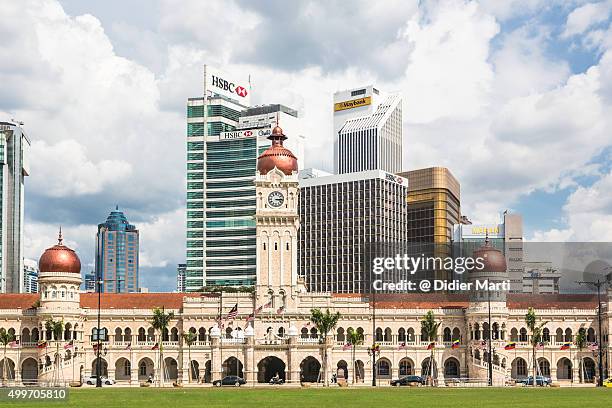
[[598, 284]]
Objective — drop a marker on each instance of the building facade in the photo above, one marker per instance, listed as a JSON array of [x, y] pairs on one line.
[[221, 164], [180, 277], [89, 284], [367, 131], [340, 216], [14, 167], [258, 335], [30, 276], [117, 253], [540, 278]]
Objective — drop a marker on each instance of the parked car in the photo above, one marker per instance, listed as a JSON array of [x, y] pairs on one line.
[[407, 380], [91, 380], [608, 383], [230, 380], [541, 380]]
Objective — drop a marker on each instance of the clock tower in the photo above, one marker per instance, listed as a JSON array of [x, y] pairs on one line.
[[277, 223]]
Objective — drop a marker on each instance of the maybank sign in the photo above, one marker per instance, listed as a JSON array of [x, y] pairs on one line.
[[354, 103], [493, 231], [220, 83], [243, 134]]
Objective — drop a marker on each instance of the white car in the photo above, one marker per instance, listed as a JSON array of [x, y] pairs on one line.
[[91, 380]]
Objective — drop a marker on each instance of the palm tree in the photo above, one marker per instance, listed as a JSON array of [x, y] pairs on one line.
[[536, 337], [429, 327], [325, 322], [581, 341], [56, 327], [189, 338], [159, 322], [353, 338], [5, 339]]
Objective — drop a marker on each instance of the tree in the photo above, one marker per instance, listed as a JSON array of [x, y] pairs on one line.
[[189, 338], [5, 339], [536, 338], [430, 327], [325, 322], [160, 322], [581, 341], [353, 338], [56, 327]]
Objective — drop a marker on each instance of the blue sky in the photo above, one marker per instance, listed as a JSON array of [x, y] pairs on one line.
[[513, 96]]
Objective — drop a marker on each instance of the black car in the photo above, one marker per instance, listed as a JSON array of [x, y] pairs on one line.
[[230, 380], [407, 380]]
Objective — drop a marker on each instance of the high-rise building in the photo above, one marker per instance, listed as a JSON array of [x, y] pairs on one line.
[[221, 166], [506, 236], [340, 215], [180, 277], [15, 166], [90, 282], [30, 276], [367, 131], [117, 254], [540, 278]]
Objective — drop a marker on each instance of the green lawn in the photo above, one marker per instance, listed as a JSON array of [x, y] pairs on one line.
[[332, 397]]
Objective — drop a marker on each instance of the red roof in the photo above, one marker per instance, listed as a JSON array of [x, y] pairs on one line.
[[18, 300], [133, 300], [562, 301]]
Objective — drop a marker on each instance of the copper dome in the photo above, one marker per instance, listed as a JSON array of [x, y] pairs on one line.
[[59, 258], [277, 155], [494, 259]]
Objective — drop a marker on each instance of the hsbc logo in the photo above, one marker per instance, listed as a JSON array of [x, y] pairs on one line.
[[248, 133], [228, 86]]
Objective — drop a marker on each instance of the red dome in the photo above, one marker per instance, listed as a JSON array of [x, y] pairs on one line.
[[277, 155], [59, 258], [494, 259]]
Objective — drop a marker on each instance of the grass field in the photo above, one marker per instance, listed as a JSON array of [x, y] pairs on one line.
[[332, 397]]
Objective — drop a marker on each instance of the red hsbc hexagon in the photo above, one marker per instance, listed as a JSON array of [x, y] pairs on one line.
[[241, 91], [248, 133]]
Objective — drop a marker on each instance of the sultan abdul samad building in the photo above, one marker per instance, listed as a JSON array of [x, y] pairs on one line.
[[279, 338]]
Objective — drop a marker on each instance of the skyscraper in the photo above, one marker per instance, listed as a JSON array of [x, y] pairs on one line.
[[30, 276], [221, 164], [180, 277], [117, 254], [15, 165], [367, 131], [90, 282]]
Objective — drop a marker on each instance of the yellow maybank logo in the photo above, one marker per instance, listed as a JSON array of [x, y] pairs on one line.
[[355, 103]]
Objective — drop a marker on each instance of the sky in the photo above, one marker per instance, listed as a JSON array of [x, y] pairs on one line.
[[513, 96]]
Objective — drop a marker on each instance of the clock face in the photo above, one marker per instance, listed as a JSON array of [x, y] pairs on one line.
[[276, 199]]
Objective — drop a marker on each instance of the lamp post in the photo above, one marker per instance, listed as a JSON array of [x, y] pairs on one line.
[[489, 361], [598, 284]]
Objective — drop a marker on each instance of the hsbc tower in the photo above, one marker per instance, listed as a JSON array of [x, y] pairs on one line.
[[225, 135]]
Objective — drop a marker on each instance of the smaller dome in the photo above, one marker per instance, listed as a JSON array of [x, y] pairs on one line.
[[292, 331], [249, 331], [277, 155], [59, 258], [494, 259]]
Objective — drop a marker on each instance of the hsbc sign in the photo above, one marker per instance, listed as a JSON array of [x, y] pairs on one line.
[[243, 134], [220, 83]]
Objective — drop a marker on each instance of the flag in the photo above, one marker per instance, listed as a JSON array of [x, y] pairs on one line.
[[540, 346], [510, 346], [250, 317], [258, 310], [566, 346], [69, 345], [431, 345], [233, 312], [14, 344], [483, 345], [129, 346], [267, 305], [347, 346], [280, 310], [593, 346], [456, 344], [307, 325], [41, 344], [155, 347], [401, 346], [95, 347]]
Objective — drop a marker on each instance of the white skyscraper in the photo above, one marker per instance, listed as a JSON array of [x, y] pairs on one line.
[[367, 131], [14, 166], [30, 276]]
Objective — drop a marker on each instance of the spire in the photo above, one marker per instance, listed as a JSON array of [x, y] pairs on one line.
[[60, 238], [116, 207]]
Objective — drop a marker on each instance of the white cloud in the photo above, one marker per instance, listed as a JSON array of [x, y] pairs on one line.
[[586, 16]]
